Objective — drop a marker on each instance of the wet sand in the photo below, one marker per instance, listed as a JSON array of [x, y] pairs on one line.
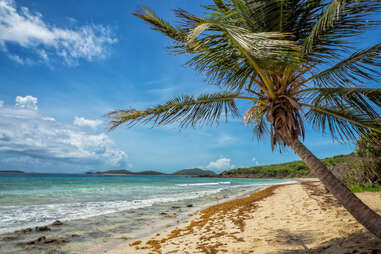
[[297, 218]]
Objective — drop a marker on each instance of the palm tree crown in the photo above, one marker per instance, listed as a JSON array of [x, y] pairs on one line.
[[275, 53]]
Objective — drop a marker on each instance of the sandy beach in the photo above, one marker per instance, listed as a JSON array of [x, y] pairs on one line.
[[296, 218]]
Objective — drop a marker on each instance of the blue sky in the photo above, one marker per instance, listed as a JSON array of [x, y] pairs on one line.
[[64, 64]]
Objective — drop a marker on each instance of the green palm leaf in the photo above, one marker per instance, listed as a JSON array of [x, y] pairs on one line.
[[356, 98], [340, 19], [186, 110], [342, 123], [361, 66], [158, 24]]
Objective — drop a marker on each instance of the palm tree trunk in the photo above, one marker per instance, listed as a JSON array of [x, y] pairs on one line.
[[362, 213]]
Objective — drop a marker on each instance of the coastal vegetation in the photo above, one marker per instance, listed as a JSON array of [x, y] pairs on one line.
[[367, 187], [288, 169], [195, 172], [295, 63], [348, 168]]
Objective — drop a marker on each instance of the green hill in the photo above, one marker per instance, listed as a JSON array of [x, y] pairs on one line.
[[194, 172], [148, 172], [289, 169], [12, 171]]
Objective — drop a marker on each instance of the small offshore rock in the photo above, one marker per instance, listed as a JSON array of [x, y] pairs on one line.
[[190, 205], [38, 240], [57, 223], [163, 213], [10, 237], [176, 207], [26, 230], [75, 235], [43, 228], [57, 241]]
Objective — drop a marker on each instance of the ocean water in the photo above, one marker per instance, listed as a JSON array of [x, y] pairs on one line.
[[99, 207]]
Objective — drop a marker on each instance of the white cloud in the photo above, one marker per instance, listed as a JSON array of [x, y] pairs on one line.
[[29, 30], [48, 118], [220, 164], [20, 60], [80, 121], [26, 133], [255, 161], [1, 104], [28, 102]]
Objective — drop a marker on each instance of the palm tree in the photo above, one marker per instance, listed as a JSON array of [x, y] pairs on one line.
[[293, 60]]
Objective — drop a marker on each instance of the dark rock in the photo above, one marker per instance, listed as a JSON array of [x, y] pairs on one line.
[[24, 231], [175, 207], [38, 240], [163, 213], [44, 240], [10, 237], [190, 205], [75, 235], [57, 223], [57, 241], [42, 229]]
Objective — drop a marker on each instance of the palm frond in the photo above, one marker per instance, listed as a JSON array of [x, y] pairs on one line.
[[186, 110], [255, 117], [343, 124], [246, 14], [221, 5], [340, 19], [158, 24], [226, 52], [326, 21], [361, 66], [357, 98], [250, 50]]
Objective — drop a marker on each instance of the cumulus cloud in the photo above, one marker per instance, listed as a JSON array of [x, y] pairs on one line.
[[48, 118], [28, 102], [22, 27], [220, 164], [82, 122], [20, 60], [26, 134], [255, 161]]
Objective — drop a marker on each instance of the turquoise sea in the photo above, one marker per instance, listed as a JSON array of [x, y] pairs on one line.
[[99, 207]]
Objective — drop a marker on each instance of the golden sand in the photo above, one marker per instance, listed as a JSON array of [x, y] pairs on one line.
[[298, 218]]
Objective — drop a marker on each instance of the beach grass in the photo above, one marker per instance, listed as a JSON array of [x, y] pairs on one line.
[[367, 187]]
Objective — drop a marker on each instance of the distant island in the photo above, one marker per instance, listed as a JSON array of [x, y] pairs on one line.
[[195, 172], [125, 172], [184, 172], [12, 171]]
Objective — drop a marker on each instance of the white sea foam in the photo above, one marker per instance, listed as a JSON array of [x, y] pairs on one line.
[[202, 184], [18, 217]]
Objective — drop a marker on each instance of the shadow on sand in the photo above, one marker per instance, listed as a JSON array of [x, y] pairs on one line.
[[361, 243]]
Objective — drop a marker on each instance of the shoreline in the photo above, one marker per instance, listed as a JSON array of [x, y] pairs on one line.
[[209, 209], [160, 227], [296, 217], [111, 229], [187, 217]]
